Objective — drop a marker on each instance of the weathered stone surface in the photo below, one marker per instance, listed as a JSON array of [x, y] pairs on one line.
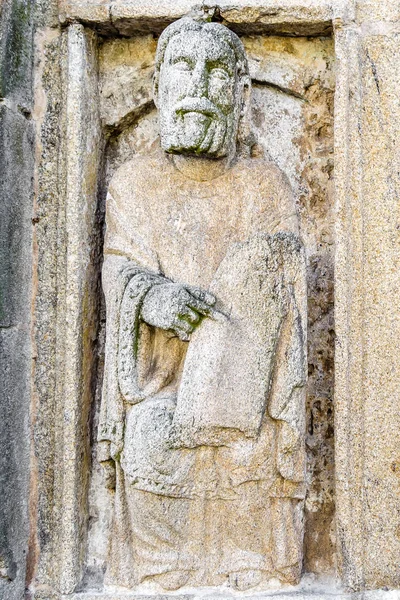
[[16, 196], [16, 181], [94, 12], [367, 282], [244, 16], [292, 103], [293, 89], [369, 12], [313, 594], [373, 595], [310, 589], [126, 80], [16, 41], [178, 453], [66, 296], [76, 328], [196, 92], [48, 247], [16, 190]]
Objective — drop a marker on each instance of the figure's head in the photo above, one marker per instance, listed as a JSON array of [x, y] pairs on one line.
[[200, 81]]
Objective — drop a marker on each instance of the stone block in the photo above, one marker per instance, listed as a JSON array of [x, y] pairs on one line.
[[16, 31], [16, 169], [126, 80], [16, 172], [14, 459], [97, 12], [245, 16], [370, 11]]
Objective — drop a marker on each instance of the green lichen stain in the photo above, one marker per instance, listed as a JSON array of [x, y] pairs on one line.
[[15, 59]]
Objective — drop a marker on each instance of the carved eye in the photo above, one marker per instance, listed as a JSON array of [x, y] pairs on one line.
[[220, 73], [182, 65]]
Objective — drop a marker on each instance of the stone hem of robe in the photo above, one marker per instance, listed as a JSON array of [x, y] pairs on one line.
[[141, 547]]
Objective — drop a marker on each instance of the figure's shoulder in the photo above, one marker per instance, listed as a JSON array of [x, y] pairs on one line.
[[136, 173], [269, 197], [263, 173]]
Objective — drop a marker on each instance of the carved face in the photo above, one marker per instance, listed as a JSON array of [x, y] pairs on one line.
[[198, 96]]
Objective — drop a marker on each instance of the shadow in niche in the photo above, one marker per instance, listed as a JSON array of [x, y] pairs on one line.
[[93, 576]]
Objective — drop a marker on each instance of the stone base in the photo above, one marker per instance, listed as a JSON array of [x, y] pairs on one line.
[[309, 589], [279, 595]]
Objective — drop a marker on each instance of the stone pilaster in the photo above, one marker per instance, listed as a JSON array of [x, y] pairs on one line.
[[77, 321], [367, 292]]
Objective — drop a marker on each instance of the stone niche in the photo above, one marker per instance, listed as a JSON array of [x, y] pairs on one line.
[[94, 112], [292, 120], [292, 123]]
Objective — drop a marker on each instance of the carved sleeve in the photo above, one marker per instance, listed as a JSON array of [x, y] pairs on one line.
[[125, 285]]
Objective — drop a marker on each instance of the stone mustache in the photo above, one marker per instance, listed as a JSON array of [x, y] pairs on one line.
[[203, 405]]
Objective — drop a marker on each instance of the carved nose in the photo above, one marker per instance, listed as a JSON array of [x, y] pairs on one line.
[[198, 87]]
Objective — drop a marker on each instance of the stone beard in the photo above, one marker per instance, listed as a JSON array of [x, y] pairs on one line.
[[202, 417]]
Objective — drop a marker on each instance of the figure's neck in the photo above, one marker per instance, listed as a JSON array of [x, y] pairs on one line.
[[199, 168]]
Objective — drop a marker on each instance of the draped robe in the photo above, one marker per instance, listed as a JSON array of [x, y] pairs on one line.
[[207, 436]]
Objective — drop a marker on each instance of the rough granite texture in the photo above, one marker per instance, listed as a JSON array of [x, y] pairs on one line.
[[127, 17], [16, 196], [367, 283], [65, 206], [48, 245], [16, 42], [203, 406], [309, 589], [16, 160]]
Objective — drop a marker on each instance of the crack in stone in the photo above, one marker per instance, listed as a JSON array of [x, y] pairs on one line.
[[279, 88]]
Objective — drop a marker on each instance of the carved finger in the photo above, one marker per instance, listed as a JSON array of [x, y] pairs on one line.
[[202, 295], [201, 307], [182, 335], [183, 325], [190, 315]]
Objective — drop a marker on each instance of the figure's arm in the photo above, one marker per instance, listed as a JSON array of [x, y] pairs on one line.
[[136, 291], [164, 304], [135, 294]]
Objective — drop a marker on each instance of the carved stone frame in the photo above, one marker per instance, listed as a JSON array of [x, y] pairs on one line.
[[367, 513]]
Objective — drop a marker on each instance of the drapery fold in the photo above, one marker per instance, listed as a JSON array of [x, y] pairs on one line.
[[127, 285]]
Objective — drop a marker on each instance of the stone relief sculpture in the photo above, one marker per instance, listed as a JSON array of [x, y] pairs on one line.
[[202, 414]]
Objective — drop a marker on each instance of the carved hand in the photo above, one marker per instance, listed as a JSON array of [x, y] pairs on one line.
[[172, 306]]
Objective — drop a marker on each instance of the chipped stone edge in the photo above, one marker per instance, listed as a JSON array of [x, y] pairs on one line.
[[126, 17]]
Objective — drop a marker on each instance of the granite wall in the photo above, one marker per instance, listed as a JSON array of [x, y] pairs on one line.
[[16, 270]]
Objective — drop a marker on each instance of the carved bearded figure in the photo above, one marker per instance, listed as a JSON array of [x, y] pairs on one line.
[[202, 412]]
